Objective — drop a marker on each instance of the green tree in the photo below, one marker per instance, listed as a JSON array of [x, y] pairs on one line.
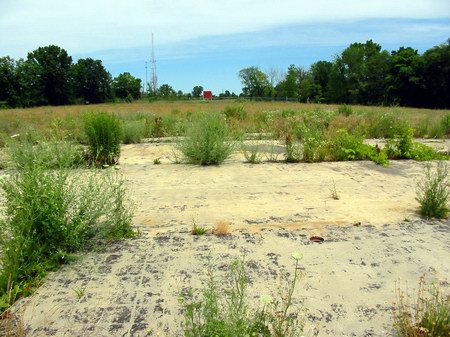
[[197, 91], [9, 83], [405, 83], [359, 74], [290, 85], [320, 73], [255, 82], [167, 92], [126, 85], [91, 81], [51, 65], [437, 76]]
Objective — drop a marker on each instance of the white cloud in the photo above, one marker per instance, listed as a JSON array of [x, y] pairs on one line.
[[83, 26]]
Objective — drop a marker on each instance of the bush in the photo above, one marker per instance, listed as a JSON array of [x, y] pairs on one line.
[[433, 192], [224, 312], [207, 141], [428, 316], [104, 132], [133, 132], [345, 110], [50, 214], [236, 111]]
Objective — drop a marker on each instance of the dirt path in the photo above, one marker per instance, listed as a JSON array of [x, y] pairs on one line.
[[373, 237]]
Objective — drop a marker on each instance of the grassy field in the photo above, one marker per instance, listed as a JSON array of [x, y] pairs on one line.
[[247, 117]]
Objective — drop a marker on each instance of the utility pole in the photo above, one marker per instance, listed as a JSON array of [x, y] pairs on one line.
[[146, 81], [154, 76]]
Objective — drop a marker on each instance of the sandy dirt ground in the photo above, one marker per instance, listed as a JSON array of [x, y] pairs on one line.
[[373, 239]]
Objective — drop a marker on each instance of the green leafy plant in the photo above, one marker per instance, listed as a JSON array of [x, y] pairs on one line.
[[222, 310], [49, 215], [433, 191], [427, 316], [104, 134], [208, 141], [198, 230]]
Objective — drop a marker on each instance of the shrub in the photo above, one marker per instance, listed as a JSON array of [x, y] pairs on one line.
[[133, 132], [104, 133], [314, 146], [345, 110], [50, 214], [207, 141], [428, 316], [236, 111], [224, 311], [433, 193]]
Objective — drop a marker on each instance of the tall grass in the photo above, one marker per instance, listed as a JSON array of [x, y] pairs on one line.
[[433, 192], [104, 134]]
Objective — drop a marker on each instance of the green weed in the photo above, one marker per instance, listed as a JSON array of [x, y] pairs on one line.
[[133, 132], [222, 310], [49, 215], [207, 142], [104, 133], [433, 192]]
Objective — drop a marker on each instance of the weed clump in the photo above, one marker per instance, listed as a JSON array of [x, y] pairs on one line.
[[104, 134], [208, 141], [223, 311], [50, 214], [427, 316], [433, 192]]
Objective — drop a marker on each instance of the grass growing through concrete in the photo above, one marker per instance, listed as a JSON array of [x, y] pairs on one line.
[[222, 309]]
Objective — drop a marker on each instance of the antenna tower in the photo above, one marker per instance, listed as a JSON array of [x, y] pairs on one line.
[[154, 77]]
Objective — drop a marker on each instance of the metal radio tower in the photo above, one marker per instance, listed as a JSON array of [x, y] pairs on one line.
[[154, 85]]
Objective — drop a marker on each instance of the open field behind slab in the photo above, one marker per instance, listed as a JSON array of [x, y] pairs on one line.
[[373, 238]]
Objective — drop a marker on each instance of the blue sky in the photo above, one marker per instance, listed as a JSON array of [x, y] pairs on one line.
[[207, 43]]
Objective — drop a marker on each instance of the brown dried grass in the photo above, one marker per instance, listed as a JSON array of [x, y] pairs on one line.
[[221, 228]]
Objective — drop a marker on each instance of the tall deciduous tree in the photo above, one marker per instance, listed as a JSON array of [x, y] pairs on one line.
[[255, 82], [437, 76], [126, 85], [91, 81], [51, 65], [197, 91], [8, 82], [405, 83]]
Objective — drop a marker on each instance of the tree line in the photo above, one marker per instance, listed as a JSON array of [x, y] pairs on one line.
[[49, 77], [362, 74]]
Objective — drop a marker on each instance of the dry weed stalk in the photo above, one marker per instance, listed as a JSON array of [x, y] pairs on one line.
[[221, 228]]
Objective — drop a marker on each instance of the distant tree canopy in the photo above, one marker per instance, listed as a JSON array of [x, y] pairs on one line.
[[362, 74], [48, 77]]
